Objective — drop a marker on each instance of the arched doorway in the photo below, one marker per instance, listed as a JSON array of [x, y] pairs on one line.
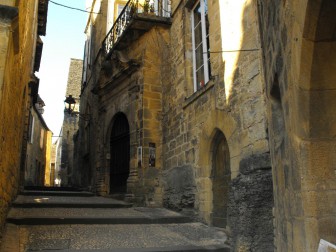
[[120, 154], [221, 177]]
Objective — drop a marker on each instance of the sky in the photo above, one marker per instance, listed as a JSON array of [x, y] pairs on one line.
[[64, 40]]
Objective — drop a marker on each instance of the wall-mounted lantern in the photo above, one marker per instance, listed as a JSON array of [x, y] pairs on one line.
[[69, 103]]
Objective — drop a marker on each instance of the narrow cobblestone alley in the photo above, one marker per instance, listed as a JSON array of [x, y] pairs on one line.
[[80, 221], [167, 125]]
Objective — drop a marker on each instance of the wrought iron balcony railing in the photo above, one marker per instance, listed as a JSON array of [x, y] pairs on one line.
[[135, 8]]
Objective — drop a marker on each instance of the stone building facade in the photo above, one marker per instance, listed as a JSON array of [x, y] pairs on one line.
[[21, 24], [298, 38], [70, 123], [170, 124], [58, 166], [53, 165], [216, 154], [37, 167]]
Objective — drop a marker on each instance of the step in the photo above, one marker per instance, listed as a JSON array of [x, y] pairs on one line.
[[30, 201], [154, 237], [58, 216], [56, 193], [217, 248], [52, 188]]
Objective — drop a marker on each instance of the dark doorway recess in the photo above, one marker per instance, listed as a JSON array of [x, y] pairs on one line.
[[120, 154], [221, 177]]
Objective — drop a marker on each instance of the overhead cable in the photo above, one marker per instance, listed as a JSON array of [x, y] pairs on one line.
[[73, 8]]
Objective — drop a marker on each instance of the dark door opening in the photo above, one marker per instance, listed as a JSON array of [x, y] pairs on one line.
[[221, 177], [120, 154]]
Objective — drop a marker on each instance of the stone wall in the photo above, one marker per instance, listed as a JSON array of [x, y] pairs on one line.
[[74, 78], [251, 198], [50, 168], [135, 91], [17, 36], [151, 82], [88, 154], [232, 104], [38, 153], [298, 43], [128, 82]]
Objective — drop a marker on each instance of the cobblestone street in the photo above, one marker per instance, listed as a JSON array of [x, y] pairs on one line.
[[77, 221]]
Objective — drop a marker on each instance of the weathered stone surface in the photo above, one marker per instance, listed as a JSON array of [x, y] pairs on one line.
[[38, 152], [17, 49], [179, 188], [182, 122], [254, 163], [70, 174], [301, 118], [250, 212]]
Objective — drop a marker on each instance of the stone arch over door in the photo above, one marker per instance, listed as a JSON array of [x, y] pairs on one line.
[[120, 154], [317, 83], [220, 177], [316, 123]]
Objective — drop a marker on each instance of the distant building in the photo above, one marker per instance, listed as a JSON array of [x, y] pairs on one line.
[[53, 164], [70, 123], [58, 164], [38, 169]]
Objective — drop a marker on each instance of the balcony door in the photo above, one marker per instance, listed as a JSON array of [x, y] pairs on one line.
[[162, 8]]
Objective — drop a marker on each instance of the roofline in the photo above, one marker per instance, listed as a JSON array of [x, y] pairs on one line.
[[41, 119], [91, 12]]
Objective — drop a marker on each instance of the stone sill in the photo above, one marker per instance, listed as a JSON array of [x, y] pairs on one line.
[[189, 100]]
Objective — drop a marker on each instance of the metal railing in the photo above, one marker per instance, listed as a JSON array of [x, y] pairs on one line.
[[161, 8]]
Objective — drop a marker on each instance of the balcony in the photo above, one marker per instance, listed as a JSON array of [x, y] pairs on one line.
[[136, 18]]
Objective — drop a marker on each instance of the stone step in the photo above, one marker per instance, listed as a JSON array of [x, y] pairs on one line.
[[58, 216], [56, 193], [131, 238], [52, 188], [217, 248], [44, 201]]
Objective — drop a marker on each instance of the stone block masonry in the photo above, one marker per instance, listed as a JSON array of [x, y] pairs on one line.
[[70, 174], [299, 51], [220, 128], [17, 52]]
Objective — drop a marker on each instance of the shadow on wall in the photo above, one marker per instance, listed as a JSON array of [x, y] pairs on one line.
[[251, 196]]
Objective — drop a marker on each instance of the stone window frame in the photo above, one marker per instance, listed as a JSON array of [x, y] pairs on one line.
[[204, 43]]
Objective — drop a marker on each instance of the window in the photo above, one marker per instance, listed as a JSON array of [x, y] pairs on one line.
[[162, 8], [120, 8], [87, 54], [200, 42]]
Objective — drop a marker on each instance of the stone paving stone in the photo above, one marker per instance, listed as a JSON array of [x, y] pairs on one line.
[[63, 201], [127, 236], [141, 230], [57, 193], [91, 212], [48, 244], [49, 216]]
